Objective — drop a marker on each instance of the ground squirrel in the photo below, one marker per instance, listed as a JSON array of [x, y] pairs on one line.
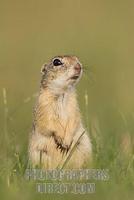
[[57, 121]]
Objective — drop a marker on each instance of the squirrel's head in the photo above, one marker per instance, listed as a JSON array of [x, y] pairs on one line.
[[61, 73]]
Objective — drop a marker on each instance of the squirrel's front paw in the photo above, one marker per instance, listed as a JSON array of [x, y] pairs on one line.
[[61, 145]]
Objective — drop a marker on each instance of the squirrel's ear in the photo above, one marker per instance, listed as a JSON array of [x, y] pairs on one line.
[[44, 69]]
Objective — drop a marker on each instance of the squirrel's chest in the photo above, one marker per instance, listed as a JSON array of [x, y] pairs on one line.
[[61, 112], [62, 109]]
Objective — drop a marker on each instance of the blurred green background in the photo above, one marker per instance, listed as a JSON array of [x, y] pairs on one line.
[[101, 34]]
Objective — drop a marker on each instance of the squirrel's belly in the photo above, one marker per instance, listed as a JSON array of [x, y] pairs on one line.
[[44, 153]]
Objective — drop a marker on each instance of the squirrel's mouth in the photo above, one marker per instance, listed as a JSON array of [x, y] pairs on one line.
[[74, 77]]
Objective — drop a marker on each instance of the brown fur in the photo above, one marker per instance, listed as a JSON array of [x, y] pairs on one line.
[[57, 123]]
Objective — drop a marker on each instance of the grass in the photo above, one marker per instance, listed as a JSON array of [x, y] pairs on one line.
[[108, 153]]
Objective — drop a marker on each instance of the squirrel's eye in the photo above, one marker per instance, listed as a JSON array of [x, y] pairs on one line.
[[57, 62]]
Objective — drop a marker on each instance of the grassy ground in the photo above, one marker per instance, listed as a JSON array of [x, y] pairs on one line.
[[101, 34]]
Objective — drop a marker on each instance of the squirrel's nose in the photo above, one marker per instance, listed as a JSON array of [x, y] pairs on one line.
[[77, 67]]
